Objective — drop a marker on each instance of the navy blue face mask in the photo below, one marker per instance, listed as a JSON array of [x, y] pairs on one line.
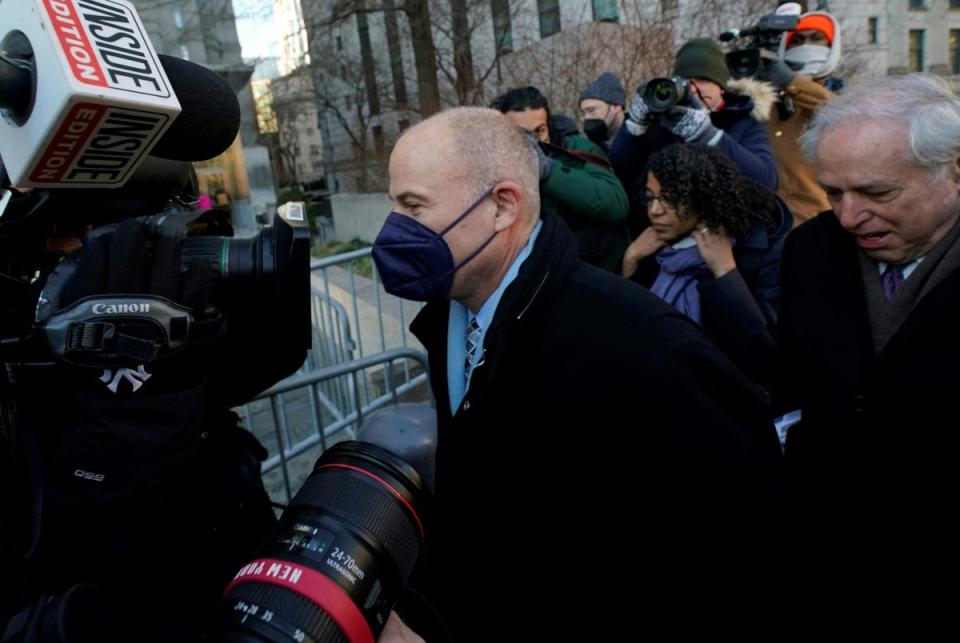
[[415, 262]]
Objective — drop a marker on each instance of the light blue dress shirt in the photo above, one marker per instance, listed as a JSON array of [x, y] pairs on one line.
[[460, 317]]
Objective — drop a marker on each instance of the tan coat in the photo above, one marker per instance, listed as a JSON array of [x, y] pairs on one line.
[[798, 178]]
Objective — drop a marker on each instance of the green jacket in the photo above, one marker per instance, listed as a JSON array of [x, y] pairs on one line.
[[590, 200]]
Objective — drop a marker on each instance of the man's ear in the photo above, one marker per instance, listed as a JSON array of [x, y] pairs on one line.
[[510, 204]]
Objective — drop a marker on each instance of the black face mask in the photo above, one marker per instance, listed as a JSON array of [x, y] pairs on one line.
[[596, 130]]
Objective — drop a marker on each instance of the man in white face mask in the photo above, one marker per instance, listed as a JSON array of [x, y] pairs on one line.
[[801, 73]]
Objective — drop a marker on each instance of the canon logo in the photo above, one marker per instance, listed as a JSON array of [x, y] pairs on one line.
[[115, 309]]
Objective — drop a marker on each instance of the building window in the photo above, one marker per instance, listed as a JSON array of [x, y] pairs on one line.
[[916, 50], [955, 50], [549, 11], [309, 131], [955, 4], [667, 6], [502, 29], [378, 143], [918, 5], [873, 30], [339, 43], [314, 150], [605, 11]]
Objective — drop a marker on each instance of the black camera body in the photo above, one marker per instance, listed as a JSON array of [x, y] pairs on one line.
[[269, 270], [745, 61], [662, 94], [105, 330]]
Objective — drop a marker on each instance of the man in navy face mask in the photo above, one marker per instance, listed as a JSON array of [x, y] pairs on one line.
[[555, 380]]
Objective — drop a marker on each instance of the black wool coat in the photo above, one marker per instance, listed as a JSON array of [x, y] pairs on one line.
[[874, 458], [597, 407], [739, 310]]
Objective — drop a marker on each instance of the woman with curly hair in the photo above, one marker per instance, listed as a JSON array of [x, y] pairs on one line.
[[713, 250]]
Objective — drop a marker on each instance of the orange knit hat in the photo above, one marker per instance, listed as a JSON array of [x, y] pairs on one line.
[[820, 23]]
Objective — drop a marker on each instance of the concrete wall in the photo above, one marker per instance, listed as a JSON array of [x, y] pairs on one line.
[[358, 215]]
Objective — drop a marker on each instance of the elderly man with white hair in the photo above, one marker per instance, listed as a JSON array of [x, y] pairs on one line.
[[870, 311]]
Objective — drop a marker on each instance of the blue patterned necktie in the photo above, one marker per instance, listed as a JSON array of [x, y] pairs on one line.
[[472, 345], [891, 279]]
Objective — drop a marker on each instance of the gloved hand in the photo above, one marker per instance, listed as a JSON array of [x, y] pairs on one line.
[[691, 123], [639, 116], [544, 161], [776, 72]]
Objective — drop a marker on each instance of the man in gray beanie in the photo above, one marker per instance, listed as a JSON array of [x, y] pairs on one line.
[[601, 105]]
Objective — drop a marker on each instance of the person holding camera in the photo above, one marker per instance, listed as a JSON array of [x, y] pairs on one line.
[[713, 116], [801, 75], [135, 489], [575, 178]]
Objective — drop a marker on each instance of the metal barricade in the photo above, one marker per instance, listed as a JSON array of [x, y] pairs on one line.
[[301, 430]]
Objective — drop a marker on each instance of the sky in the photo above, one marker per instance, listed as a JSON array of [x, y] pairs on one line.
[[256, 28]]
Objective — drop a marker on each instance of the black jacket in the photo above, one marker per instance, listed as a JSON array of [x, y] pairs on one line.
[[739, 310], [597, 406], [875, 454]]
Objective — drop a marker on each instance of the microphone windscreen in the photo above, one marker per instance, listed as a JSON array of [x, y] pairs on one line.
[[210, 113]]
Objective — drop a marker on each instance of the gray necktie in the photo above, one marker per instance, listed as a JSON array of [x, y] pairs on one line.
[[472, 344]]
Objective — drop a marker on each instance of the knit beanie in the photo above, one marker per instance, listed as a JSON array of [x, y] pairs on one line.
[[702, 58], [608, 88], [816, 21]]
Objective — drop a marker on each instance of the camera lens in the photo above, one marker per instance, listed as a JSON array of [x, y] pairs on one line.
[[234, 263], [343, 550], [744, 63], [663, 93]]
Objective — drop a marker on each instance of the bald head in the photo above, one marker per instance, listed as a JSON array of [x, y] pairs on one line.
[[479, 146]]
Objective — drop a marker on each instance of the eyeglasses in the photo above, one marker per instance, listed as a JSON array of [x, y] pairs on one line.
[[649, 198]]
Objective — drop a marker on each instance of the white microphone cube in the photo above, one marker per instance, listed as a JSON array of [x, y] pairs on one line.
[[102, 99]]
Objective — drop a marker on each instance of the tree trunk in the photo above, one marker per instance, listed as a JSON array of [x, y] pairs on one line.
[[396, 56], [424, 55], [366, 60], [462, 53]]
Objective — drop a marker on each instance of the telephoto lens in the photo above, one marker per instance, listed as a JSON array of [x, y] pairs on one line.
[[343, 550]]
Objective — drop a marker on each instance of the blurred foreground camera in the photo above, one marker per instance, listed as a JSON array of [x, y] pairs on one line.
[[337, 562]]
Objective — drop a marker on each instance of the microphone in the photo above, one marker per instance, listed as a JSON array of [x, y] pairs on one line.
[[100, 99], [209, 119]]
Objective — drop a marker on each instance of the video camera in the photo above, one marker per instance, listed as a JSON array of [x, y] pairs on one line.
[[745, 61]]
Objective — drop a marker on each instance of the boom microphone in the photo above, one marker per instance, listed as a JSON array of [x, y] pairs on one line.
[[209, 118]]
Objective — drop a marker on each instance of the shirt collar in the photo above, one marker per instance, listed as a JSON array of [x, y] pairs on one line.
[[485, 314]]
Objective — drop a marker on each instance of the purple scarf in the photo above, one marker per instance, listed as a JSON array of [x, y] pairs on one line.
[[676, 282]]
